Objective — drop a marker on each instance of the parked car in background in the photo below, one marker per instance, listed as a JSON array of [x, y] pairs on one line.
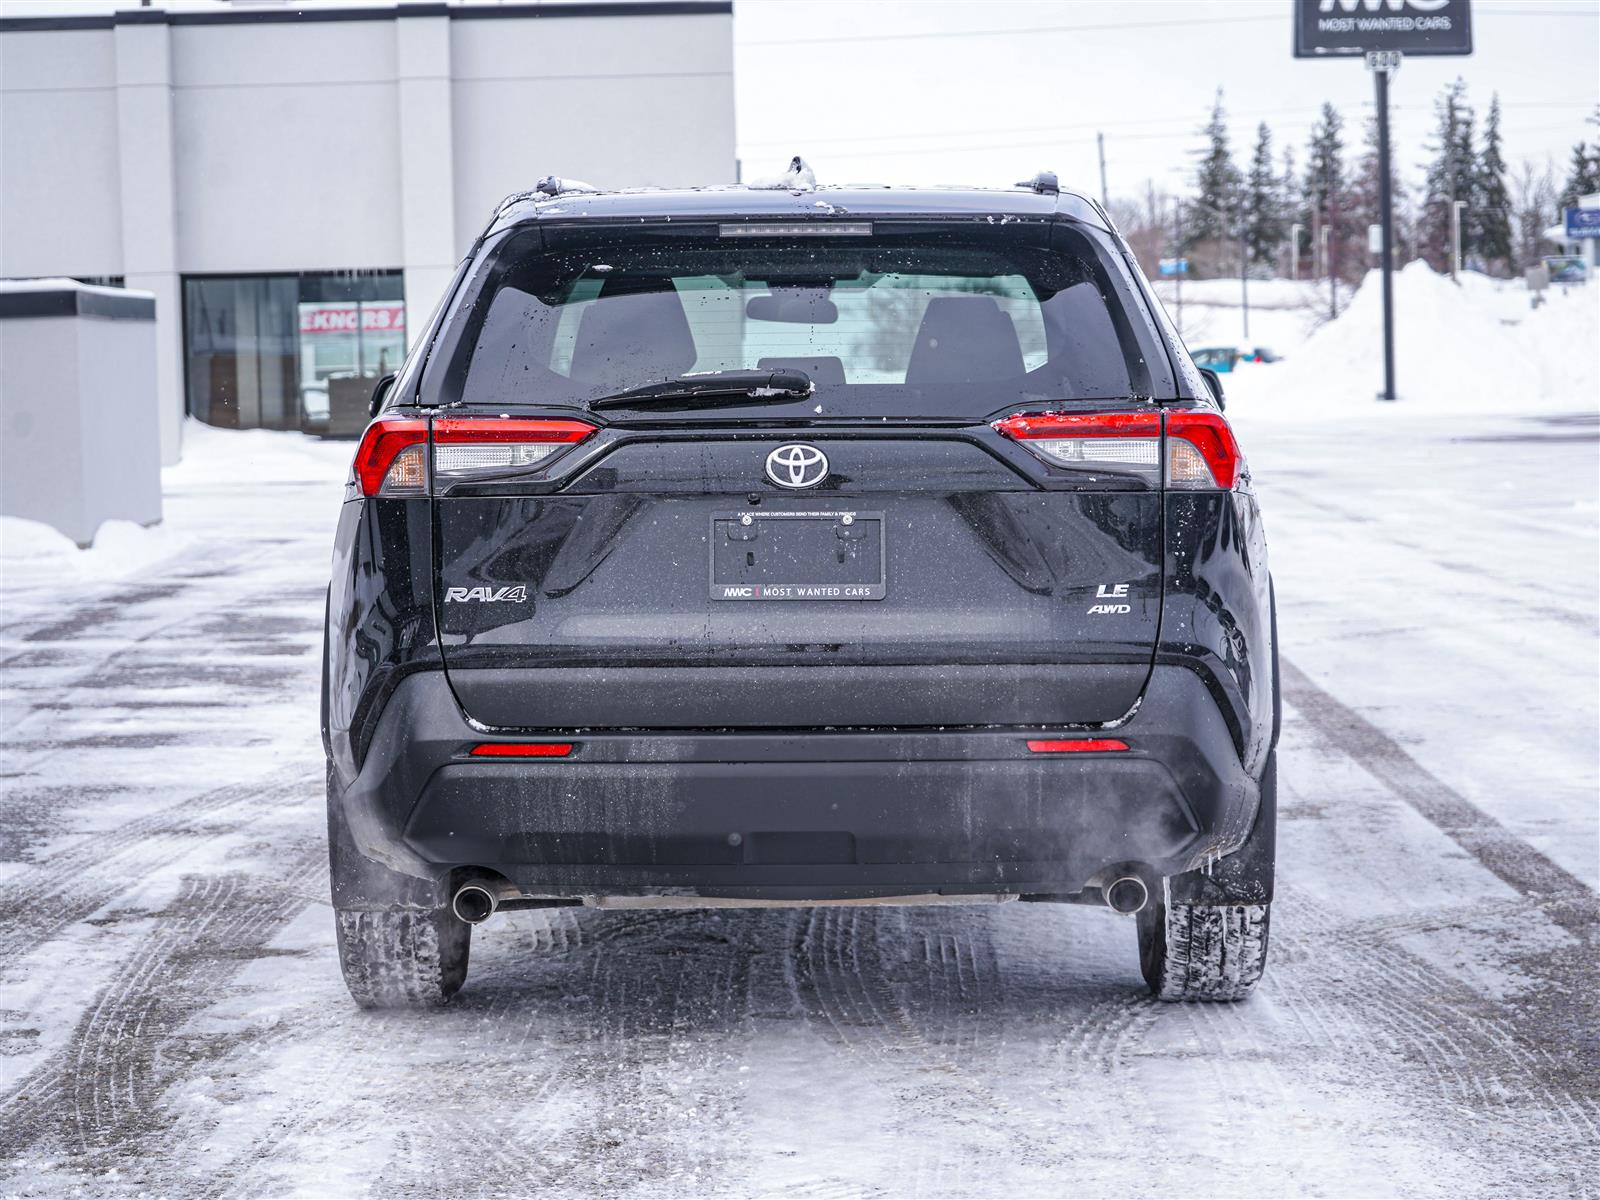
[[1216, 358]]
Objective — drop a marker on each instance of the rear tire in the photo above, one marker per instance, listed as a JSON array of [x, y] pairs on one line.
[[402, 958], [1203, 952]]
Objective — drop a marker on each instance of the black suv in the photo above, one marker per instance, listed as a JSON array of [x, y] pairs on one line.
[[731, 545]]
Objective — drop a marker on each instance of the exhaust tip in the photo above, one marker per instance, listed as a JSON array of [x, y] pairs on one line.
[[473, 903], [1127, 895]]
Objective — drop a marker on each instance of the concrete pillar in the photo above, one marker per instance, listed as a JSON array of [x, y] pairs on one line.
[[427, 162], [149, 203], [79, 432]]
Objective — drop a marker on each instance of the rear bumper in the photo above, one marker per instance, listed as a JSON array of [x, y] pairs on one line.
[[782, 815]]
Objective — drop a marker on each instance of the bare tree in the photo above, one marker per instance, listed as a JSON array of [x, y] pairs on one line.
[[1533, 209]]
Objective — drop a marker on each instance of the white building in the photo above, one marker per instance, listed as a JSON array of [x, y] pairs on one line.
[[295, 186]]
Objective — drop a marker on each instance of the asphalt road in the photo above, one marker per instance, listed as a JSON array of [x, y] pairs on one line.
[[172, 1021]]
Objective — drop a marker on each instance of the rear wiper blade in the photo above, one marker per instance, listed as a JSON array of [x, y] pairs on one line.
[[713, 388]]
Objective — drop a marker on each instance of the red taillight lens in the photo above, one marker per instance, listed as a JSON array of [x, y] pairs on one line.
[[522, 750], [385, 441], [1076, 745], [1125, 443], [469, 447], [1201, 451]]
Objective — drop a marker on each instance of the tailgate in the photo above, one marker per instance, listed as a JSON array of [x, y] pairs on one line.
[[927, 579]]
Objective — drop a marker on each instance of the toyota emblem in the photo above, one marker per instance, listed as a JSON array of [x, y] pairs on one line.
[[797, 466]]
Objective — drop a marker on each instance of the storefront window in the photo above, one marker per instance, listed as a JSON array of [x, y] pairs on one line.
[[291, 351]]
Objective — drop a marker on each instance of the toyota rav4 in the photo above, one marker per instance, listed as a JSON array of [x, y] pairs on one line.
[[734, 545]]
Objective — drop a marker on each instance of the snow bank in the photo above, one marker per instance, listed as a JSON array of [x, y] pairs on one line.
[[1456, 348], [29, 549], [255, 456], [241, 461]]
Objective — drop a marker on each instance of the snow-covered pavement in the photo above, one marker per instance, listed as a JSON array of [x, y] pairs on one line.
[[172, 1020]]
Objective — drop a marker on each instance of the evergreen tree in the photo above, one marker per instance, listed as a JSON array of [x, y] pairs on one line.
[[1492, 202], [1583, 174], [1450, 177], [1217, 183], [1263, 205], [1291, 205], [1365, 196], [1325, 202]]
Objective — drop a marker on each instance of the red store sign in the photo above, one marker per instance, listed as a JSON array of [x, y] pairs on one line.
[[342, 318]]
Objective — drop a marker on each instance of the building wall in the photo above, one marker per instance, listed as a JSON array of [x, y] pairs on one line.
[[155, 146]]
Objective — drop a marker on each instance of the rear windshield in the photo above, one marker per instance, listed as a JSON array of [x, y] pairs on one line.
[[934, 322]]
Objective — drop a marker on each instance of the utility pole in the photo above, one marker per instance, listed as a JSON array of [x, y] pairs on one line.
[[1455, 238], [1177, 255], [1333, 280], [1244, 273], [1105, 192], [1384, 63]]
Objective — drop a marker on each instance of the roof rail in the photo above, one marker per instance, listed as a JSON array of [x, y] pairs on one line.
[[1044, 184]]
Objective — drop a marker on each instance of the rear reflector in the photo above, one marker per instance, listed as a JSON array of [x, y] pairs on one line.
[[1077, 746], [522, 750]]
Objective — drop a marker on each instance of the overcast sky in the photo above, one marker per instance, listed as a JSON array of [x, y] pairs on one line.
[[953, 91], [957, 91]]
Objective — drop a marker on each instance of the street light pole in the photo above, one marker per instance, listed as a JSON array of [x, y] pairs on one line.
[[1295, 231]]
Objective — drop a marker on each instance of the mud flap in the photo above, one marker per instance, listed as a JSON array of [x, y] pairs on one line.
[[360, 882], [1246, 875]]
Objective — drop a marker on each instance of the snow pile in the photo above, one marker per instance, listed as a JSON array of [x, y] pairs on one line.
[[249, 463], [248, 457], [1564, 333], [30, 549], [1456, 350]]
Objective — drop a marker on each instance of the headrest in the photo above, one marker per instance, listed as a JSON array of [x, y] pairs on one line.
[[964, 339], [633, 337]]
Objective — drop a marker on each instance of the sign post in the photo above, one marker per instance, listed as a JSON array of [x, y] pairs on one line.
[[1383, 31], [1382, 63]]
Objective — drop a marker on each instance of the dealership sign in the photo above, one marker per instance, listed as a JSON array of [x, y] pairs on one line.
[[351, 317], [1336, 28], [1583, 223]]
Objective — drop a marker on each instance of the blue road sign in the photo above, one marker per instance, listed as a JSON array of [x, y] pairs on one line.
[[1174, 266]]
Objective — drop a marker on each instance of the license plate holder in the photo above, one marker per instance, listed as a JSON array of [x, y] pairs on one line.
[[818, 554]]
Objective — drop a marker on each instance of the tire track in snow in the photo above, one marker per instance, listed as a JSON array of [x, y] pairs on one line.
[[843, 988], [101, 1100], [1570, 902], [64, 887]]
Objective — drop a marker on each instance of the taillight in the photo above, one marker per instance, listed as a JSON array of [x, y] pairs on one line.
[[1201, 450], [466, 448], [392, 458], [1126, 443]]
